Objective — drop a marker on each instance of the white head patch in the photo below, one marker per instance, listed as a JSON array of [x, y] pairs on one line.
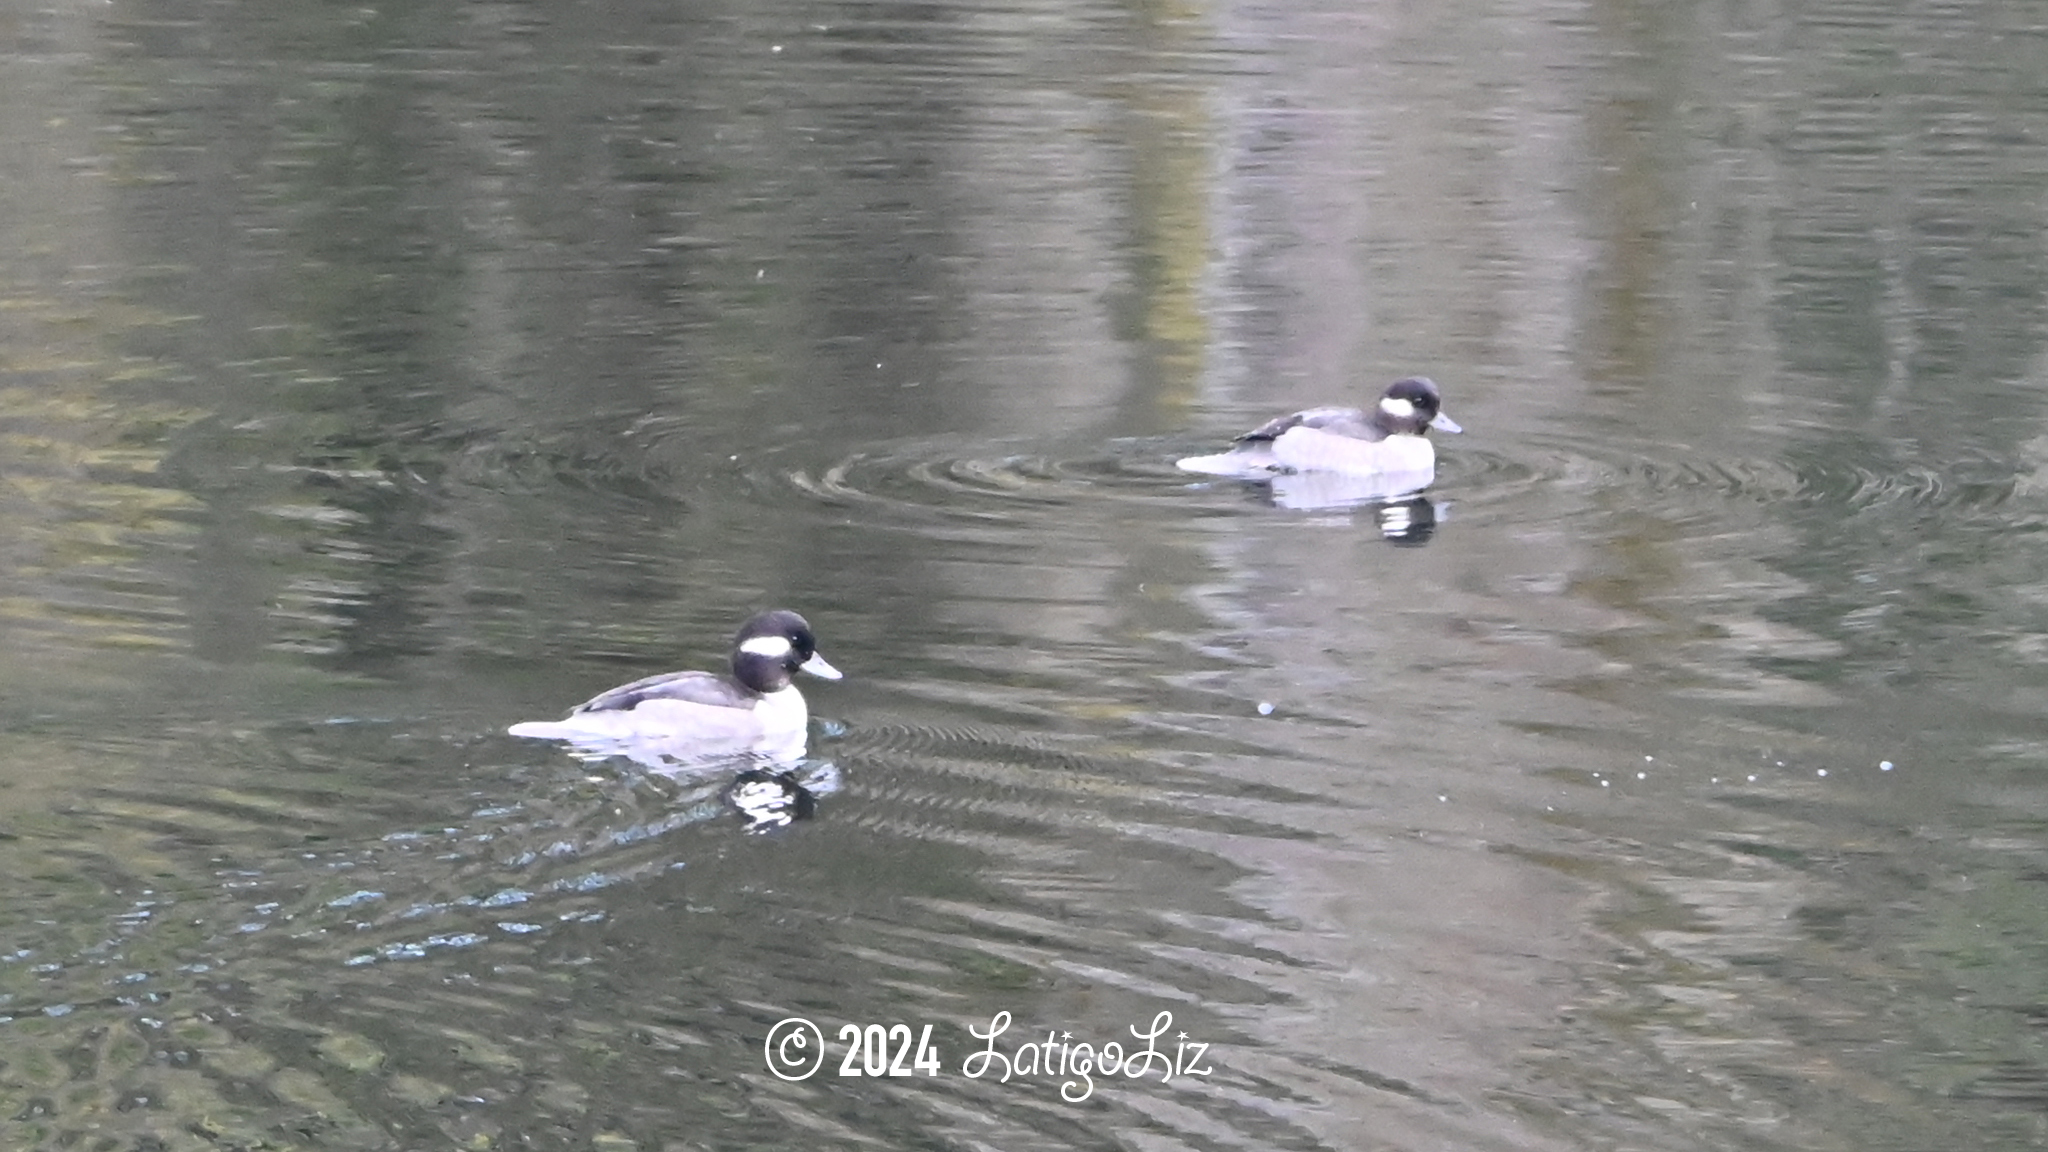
[[1398, 408], [767, 646]]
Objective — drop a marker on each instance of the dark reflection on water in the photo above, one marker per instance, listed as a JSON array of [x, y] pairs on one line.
[[1665, 776]]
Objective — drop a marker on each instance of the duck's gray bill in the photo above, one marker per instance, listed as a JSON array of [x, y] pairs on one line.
[[816, 666], [1443, 423]]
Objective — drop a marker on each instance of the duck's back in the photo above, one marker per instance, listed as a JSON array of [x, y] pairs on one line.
[[701, 688], [680, 704], [1347, 422]]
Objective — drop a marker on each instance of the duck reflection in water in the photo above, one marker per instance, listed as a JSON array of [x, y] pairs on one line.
[[681, 721], [768, 800], [1404, 522]]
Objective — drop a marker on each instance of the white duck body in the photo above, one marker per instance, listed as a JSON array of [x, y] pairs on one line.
[[682, 716], [1388, 441]]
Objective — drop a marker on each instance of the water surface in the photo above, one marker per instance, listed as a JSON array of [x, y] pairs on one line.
[[1668, 776]]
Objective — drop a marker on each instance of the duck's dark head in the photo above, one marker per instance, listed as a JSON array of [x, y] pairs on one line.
[[774, 646], [1413, 406]]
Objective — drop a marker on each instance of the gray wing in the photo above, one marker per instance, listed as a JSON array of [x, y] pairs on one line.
[[694, 687], [1339, 421]]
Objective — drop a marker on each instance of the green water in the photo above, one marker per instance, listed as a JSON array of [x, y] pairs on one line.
[[373, 379]]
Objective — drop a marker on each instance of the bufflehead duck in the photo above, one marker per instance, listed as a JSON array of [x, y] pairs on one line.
[[1389, 440], [700, 715]]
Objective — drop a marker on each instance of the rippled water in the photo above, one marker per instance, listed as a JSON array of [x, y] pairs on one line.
[[1668, 775]]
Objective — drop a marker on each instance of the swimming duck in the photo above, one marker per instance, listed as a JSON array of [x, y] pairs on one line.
[[1389, 440], [699, 715]]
